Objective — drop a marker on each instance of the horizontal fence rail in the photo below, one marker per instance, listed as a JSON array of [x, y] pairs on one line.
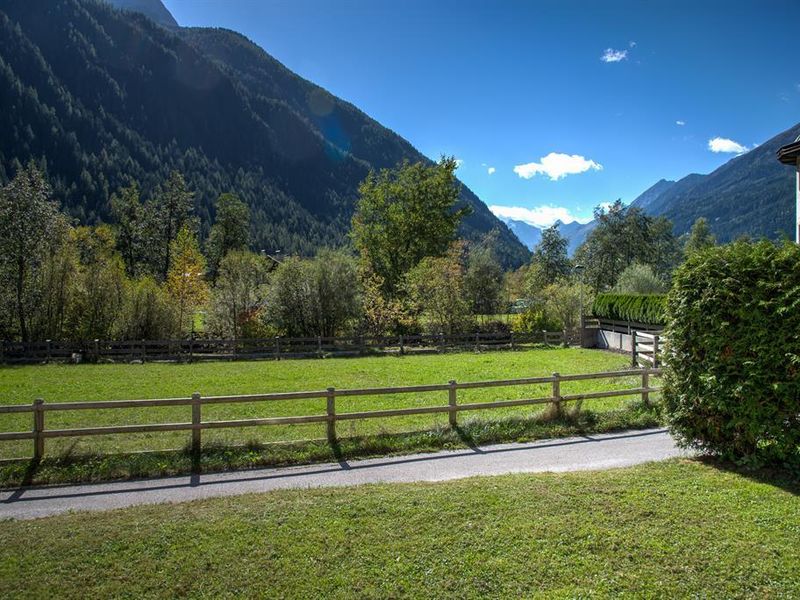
[[39, 433], [647, 349], [269, 348]]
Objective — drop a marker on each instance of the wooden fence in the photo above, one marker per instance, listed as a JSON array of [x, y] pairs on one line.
[[267, 348], [646, 349], [39, 433]]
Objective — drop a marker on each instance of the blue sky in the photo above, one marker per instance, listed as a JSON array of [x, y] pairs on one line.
[[569, 104]]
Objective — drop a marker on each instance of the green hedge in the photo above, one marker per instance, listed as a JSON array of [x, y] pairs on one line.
[[640, 308], [732, 383]]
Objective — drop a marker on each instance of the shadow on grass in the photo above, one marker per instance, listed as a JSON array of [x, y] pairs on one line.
[[782, 477], [71, 467]]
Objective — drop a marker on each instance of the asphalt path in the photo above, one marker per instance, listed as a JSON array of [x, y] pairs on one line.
[[590, 452]]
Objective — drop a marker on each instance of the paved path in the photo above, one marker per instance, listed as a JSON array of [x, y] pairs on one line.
[[569, 454]]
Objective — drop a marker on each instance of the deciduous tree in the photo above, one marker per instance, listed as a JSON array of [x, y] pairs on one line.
[[404, 215]]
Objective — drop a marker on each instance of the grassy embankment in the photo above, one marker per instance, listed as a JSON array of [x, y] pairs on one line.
[[674, 529], [120, 456]]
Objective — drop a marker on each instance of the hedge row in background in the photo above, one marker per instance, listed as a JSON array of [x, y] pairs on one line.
[[639, 308], [732, 383]]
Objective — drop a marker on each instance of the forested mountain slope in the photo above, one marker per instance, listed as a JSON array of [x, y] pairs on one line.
[[102, 97], [752, 194]]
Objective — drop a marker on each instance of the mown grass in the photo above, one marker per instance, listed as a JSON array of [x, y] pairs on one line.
[[60, 383], [673, 529], [92, 467]]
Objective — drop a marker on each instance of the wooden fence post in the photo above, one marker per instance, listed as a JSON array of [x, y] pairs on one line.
[[452, 403], [49, 349], [634, 361], [331, 410], [655, 351], [196, 420], [38, 428], [646, 386], [319, 345], [277, 348], [402, 349], [478, 341], [557, 392], [512, 339]]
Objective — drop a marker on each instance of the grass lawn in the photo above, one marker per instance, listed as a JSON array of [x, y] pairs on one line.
[[60, 383], [673, 529]]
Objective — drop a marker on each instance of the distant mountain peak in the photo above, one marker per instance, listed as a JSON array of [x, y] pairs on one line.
[[152, 9]]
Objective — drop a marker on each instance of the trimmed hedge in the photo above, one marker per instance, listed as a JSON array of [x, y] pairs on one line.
[[648, 309], [732, 382]]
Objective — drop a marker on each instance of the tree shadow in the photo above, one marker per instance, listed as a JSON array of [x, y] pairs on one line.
[[782, 478]]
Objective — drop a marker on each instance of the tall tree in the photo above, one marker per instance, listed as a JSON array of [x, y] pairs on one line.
[[30, 225], [550, 260], [404, 215], [699, 238], [483, 281], [129, 224], [622, 237], [186, 278], [173, 210], [231, 229]]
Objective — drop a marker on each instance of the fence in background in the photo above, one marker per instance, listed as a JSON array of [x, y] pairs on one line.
[[39, 433], [647, 350], [269, 348]]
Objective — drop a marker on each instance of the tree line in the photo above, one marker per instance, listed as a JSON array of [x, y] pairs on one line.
[[149, 274]]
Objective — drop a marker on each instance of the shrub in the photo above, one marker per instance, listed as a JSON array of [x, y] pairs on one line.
[[534, 320], [639, 279], [640, 308], [732, 385]]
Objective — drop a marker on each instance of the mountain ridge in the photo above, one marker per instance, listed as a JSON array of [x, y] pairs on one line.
[[101, 97]]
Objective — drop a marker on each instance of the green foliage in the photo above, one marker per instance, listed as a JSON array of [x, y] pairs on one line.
[[404, 215], [534, 320], [231, 229], [436, 290], [483, 281], [733, 379], [639, 279], [550, 261], [311, 297], [563, 303], [699, 237], [186, 277], [31, 229], [238, 293], [625, 236], [648, 309], [148, 312]]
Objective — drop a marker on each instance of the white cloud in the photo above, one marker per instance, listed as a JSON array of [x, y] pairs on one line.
[[680, 123], [632, 44], [721, 144], [611, 56], [540, 216], [459, 162], [556, 165], [491, 170]]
